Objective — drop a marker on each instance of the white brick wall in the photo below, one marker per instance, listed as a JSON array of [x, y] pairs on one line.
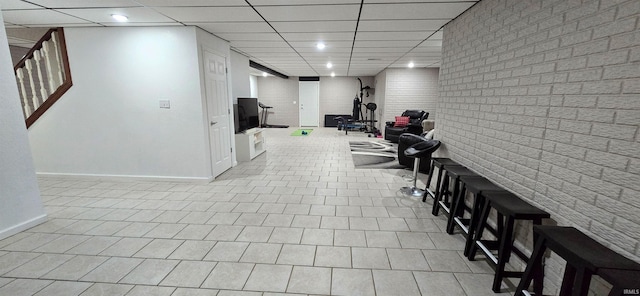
[[542, 96], [409, 89]]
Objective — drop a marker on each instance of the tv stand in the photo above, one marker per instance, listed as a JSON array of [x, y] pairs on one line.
[[250, 144]]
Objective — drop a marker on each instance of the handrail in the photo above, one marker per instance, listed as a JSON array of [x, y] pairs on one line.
[[60, 69]]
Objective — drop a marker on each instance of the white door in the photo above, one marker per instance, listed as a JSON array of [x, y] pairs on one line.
[[215, 76], [309, 97]]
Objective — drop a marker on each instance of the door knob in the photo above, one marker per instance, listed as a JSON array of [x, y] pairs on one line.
[[213, 122]]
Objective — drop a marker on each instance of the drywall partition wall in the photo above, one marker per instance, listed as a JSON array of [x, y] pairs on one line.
[[239, 72], [543, 98], [337, 94], [380, 84], [253, 82], [19, 194], [410, 89], [282, 95], [110, 122]]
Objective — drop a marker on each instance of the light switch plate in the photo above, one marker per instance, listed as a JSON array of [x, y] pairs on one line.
[[165, 104]]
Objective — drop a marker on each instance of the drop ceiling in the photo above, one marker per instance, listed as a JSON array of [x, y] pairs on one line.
[[362, 37]]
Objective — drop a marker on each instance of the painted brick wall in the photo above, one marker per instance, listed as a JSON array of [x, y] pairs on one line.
[[543, 98], [410, 89], [280, 94]]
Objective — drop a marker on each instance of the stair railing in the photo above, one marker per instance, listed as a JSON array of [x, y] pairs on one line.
[[43, 75]]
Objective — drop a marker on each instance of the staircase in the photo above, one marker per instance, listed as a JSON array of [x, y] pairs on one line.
[[43, 75]]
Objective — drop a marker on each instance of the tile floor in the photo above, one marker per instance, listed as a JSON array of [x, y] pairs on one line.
[[299, 219]]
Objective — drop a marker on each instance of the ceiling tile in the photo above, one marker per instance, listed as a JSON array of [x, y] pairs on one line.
[[235, 27], [249, 36], [314, 26], [259, 44], [85, 3], [401, 25], [393, 35], [186, 3], [386, 43], [416, 11], [103, 15], [316, 37], [301, 2], [208, 14], [39, 17], [310, 12], [16, 4]]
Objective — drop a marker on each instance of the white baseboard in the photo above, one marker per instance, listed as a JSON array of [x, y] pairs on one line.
[[128, 177], [4, 233]]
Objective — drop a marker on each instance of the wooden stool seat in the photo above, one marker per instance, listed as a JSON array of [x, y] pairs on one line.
[[476, 186], [513, 208], [438, 162], [452, 174], [584, 257]]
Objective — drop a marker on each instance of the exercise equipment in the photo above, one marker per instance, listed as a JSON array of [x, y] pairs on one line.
[[265, 115]]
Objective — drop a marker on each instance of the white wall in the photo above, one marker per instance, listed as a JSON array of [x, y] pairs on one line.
[[253, 85], [110, 124], [380, 83], [239, 72], [21, 205], [336, 97]]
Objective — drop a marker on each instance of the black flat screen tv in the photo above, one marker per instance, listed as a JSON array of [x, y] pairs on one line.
[[246, 114]]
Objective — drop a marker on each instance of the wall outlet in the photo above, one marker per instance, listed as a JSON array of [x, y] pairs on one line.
[[165, 104]]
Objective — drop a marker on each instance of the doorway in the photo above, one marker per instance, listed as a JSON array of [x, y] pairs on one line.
[[218, 113], [309, 97]]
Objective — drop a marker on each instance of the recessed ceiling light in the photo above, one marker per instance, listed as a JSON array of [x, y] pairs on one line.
[[329, 65], [264, 74], [320, 45], [120, 18], [411, 65], [333, 74]]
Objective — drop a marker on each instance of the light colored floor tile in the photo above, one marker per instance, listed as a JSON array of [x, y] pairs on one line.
[[15, 259], [330, 222], [229, 276], [278, 220], [39, 266], [112, 270], [31, 242], [382, 239], [225, 233], [194, 231], [261, 253], [407, 259], [194, 292], [254, 234], [444, 241], [317, 237], [479, 284], [158, 248], [443, 260], [310, 280], [238, 293], [136, 229], [438, 284], [306, 221], [373, 258], [165, 230], [192, 250], [422, 225], [328, 256], [94, 245], [126, 247], [151, 291], [24, 287], [297, 255], [350, 238], [392, 224], [322, 210], [100, 289], [415, 240], [62, 244], [358, 223], [189, 274], [286, 235], [227, 251], [75, 268], [395, 282], [253, 219], [63, 288], [269, 278], [224, 218], [352, 282], [150, 272]]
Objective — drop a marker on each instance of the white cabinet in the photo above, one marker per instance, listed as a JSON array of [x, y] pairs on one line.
[[250, 144]]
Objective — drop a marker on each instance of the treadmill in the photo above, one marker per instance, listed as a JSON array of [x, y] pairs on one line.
[[265, 115]]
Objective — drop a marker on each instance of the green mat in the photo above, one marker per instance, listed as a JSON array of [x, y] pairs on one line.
[[299, 132]]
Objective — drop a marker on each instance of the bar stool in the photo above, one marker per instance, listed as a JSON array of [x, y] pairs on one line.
[[417, 151], [443, 195], [438, 162], [585, 257], [475, 186], [625, 282], [513, 208]]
